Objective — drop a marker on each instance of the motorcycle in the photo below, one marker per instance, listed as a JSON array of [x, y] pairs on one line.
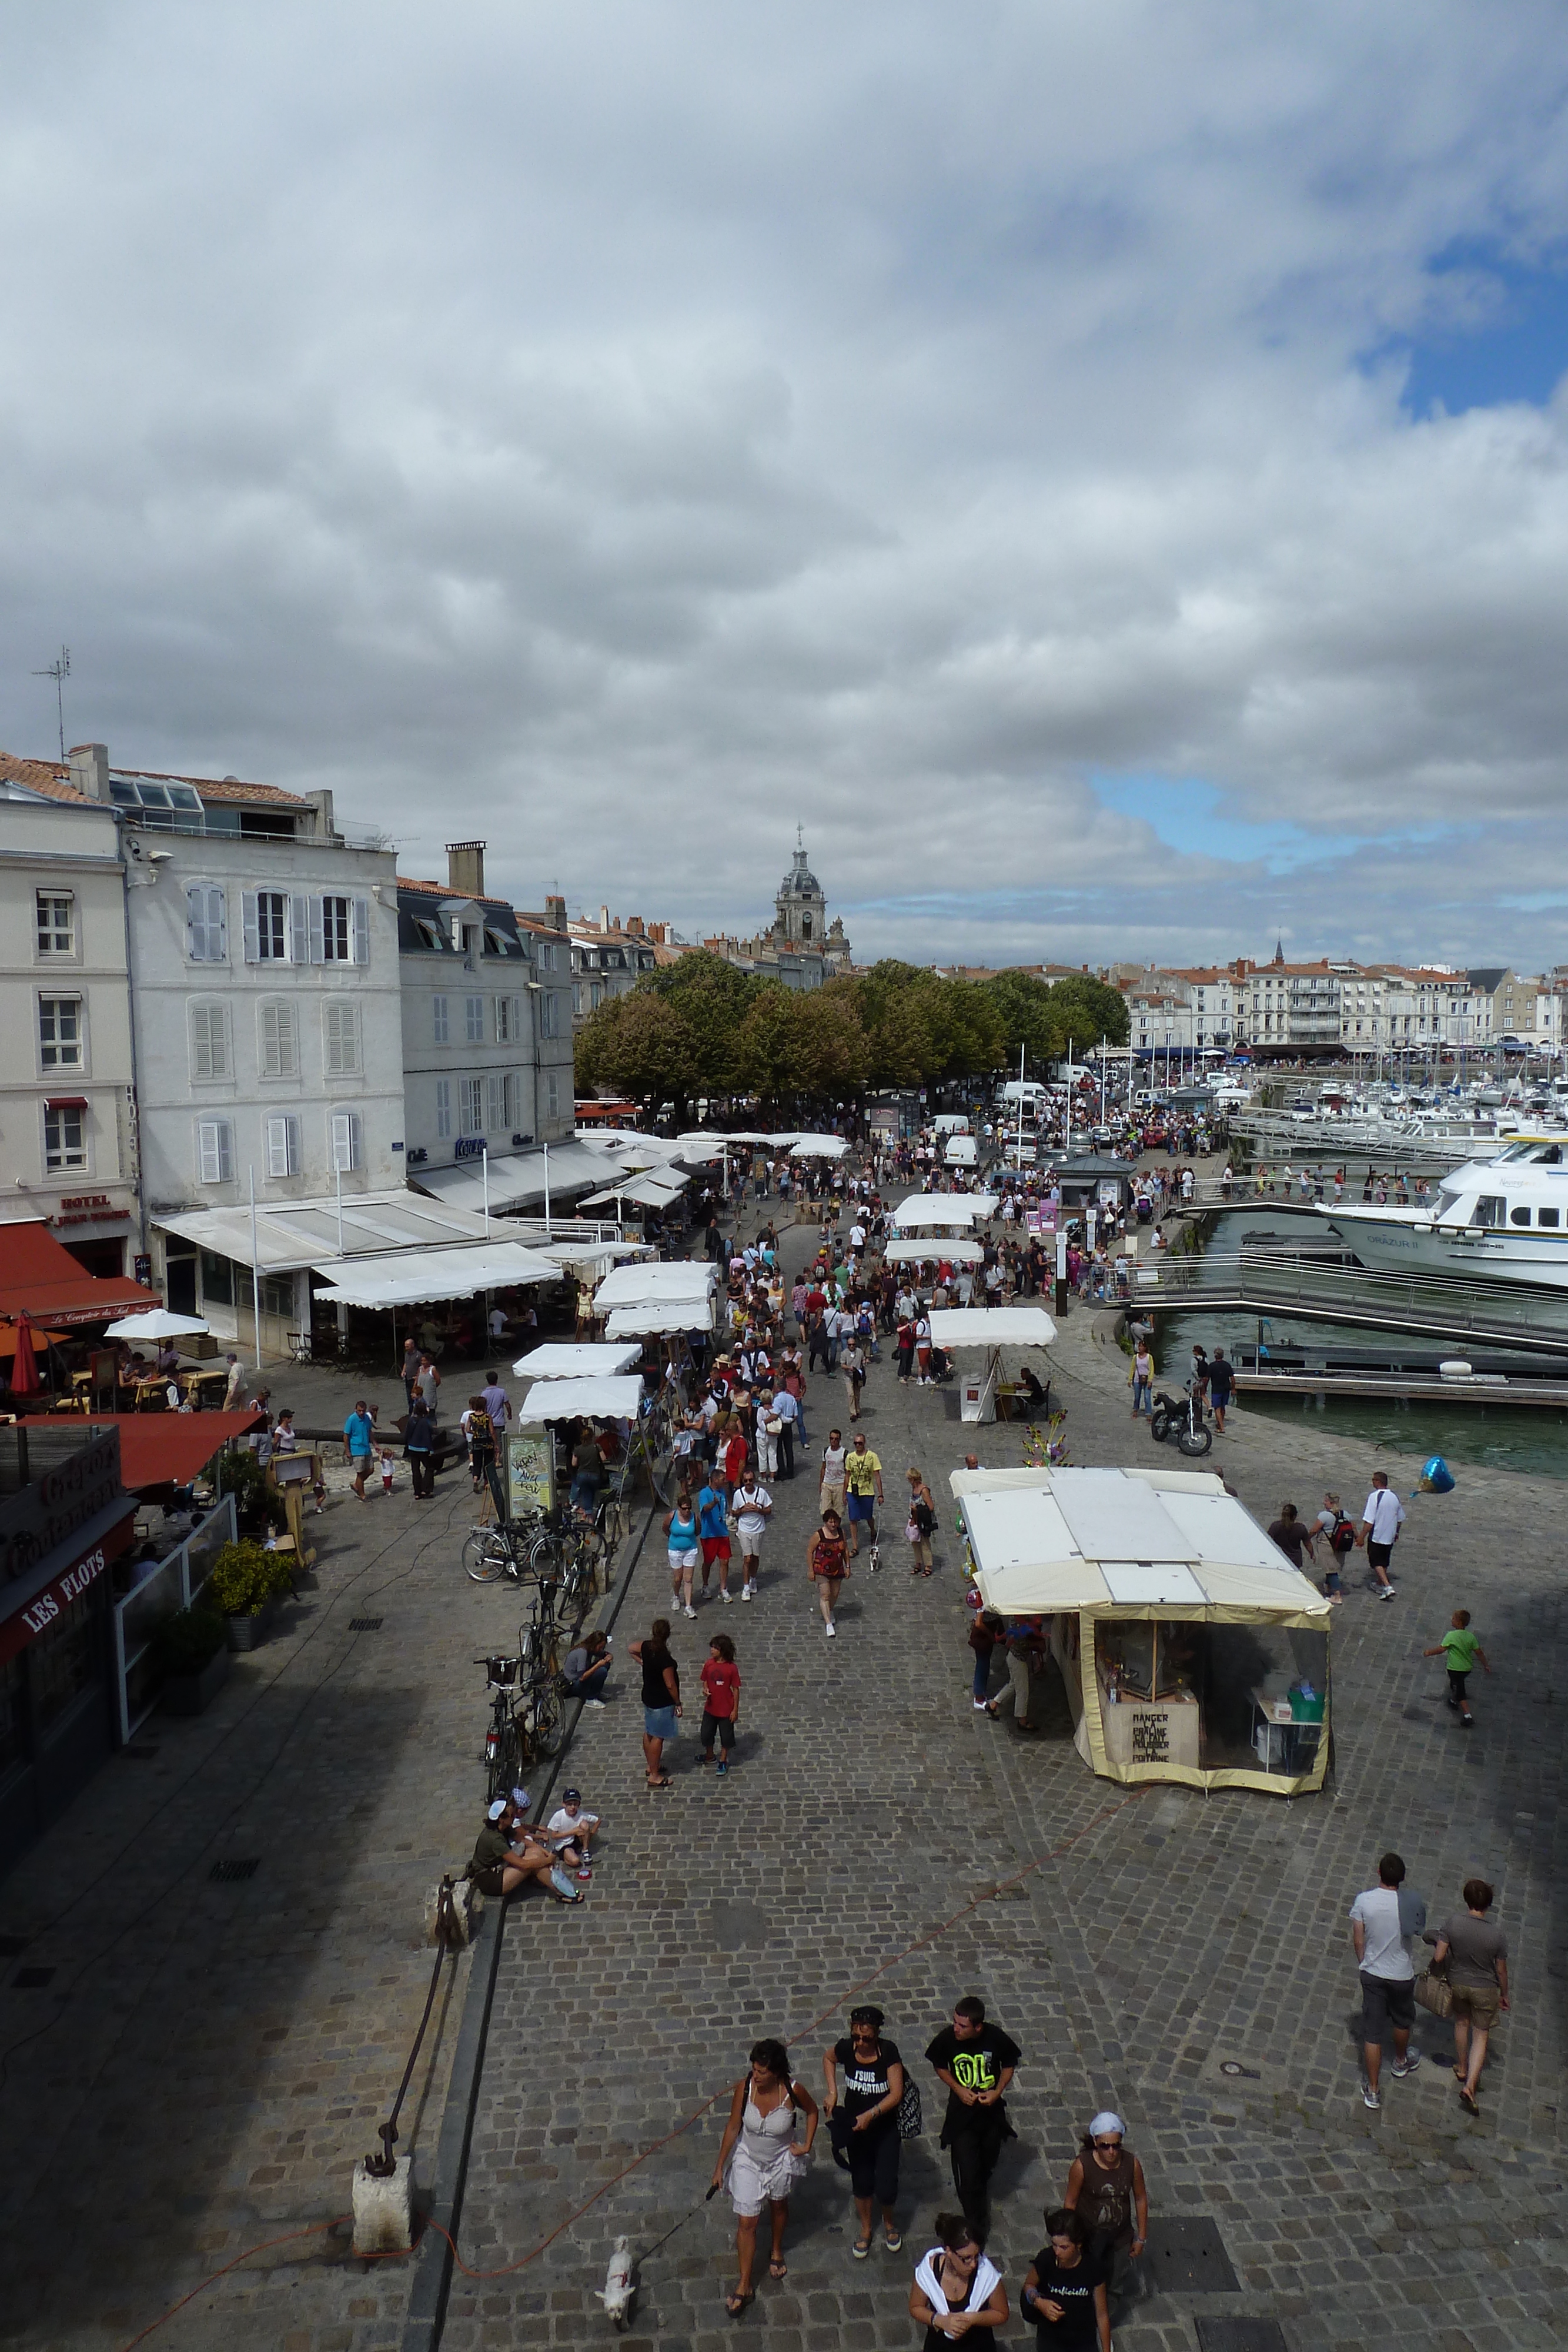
[[1181, 1418]]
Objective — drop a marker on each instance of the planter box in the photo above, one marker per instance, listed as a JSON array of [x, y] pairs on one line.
[[245, 1632], [194, 1693]]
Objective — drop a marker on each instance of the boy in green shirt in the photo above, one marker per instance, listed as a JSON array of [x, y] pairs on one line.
[[1460, 1647]]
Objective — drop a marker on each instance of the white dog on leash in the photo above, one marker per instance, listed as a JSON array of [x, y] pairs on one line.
[[616, 2292]]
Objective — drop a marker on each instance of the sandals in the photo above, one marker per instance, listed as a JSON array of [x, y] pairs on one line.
[[861, 2249], [1468, 2103], [892, 2241], [735, 2303], [778, 2270], [663, 1781]]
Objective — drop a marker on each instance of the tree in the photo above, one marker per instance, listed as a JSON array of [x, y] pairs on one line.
[[639, 1046]]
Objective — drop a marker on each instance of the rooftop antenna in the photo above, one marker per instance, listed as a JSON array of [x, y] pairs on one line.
[[59, 671]]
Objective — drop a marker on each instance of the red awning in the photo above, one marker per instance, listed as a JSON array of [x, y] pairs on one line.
[[40, 1279], [159, 1449], [65, 1102]]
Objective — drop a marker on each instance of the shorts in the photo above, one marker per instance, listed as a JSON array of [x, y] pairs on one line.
[[1481, 2005], [862, 1506], [1387, 2001], [488, 1880], [659, 1722], [751, 1544], [680, 1560], [363, 1464], [1378, 1555], [721, 1726], [714, 1547]]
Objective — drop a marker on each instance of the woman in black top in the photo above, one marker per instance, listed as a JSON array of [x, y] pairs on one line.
[[864, 2121], [1064, 2291], [956, 2288], [660, 1697]]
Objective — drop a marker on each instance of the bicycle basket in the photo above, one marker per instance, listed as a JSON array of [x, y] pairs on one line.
[[500, 1674]]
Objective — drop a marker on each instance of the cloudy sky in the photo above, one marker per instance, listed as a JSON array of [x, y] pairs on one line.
[[1104, 471]]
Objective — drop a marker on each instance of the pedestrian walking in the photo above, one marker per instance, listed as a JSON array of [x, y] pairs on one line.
[[956, 2286], [1065, 2290], [862, 1476], [976, 2060], [761, 2157], [359, 1440], [1292, 1534], [1379, 1531], [1474, 1951], [682, 1531], [1338, 1534], [661, 1698], [1025, 1658], [753, 1508], [1464, 1654], [826, 1564], [1382, 1918], [786, 1413], [862, 2122], [831, 1477], [427, 1382], [985, 1632], [1221, 1380], [921, 1524], [720, 1680], [769, 1429], [714, 1521], [1107, 2191], [418, 1450]]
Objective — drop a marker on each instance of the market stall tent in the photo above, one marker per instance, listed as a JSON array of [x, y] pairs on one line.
[[944, 1209], [989, 1328], [567, 1360], [1190, 1648], [597, 1396], [950, 1246]]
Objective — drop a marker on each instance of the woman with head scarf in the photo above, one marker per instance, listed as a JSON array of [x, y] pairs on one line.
[[1106, 2189]]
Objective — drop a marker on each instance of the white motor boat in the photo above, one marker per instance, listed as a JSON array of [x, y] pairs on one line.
[[1499, 1218]]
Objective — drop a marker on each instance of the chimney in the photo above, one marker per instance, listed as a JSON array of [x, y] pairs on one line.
[[605, 918], [465, 868], [90, 770], [555, 914], [322, 804], [634, 926]]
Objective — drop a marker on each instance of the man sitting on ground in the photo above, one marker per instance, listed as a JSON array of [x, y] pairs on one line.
[[571, 1831], [507, 1853]]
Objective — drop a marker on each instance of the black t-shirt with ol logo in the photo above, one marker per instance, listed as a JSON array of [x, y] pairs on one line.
[[976, 2064]]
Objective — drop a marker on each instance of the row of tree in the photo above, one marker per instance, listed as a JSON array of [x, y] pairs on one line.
[[701, 1028]]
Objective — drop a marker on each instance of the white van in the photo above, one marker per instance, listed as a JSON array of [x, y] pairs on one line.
[[951, 1122], [1030, 1092], [962, 1152]]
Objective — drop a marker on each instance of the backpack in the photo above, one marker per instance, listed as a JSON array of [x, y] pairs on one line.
[[1343, 1538]]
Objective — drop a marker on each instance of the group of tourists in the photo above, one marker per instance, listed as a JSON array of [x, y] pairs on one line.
[[872, 2105]]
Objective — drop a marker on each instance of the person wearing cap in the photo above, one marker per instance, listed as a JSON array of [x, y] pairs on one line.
[[507, 1853], [1105, 2188], [571, 1833]]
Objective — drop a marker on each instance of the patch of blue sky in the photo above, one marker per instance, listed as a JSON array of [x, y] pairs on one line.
[[1499, 332], [1183, 813]]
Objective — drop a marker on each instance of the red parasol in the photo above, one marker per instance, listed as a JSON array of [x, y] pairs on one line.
[[25, 1380]]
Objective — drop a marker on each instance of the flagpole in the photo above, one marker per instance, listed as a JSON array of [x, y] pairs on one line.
[[255, 1269]]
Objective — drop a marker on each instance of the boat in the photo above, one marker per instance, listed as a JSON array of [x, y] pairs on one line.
[[1501, 1219]]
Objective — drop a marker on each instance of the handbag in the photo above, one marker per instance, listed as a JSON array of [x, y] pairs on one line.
[[1433, 1989], [911, 2121]]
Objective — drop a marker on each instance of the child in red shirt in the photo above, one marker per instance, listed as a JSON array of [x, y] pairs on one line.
[[721, 1699]]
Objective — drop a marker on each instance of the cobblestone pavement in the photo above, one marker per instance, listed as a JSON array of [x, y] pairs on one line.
[[210, 2059], [1163, 1935]]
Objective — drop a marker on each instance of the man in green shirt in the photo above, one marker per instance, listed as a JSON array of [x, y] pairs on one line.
[[507, 1853], [1463, 1651]]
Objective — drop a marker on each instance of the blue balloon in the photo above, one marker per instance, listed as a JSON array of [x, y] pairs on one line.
[[1436, 1478]]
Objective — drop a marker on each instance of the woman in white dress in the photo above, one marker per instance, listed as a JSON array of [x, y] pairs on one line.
[[765, 2155]]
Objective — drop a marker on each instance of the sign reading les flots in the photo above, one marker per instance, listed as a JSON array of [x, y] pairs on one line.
[[47, 1608]]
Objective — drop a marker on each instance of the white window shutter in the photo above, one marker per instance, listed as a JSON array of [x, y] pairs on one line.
[[217, 930], [214, 1150], [287, 1042], [359, 932], [354, 1138], [278, 1147], [225, 1151], [497, 1111], [252, 927], [196, 923], [345, 1141], [298, 928], [318, 934]]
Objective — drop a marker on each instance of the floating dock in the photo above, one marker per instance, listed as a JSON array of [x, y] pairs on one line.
[[1408, 1388]]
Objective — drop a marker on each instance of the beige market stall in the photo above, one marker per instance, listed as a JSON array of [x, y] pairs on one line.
[[1190, 1648], [986, 1330]]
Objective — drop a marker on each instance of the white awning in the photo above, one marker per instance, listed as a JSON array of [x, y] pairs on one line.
[[992, 1326], [293, 1234], [598, 1397], [1158, 1541], [411, 1277], [818, 1147], [957, 1252], [691, 1278], [657, 1318], [518, 1178], [944, 1209], [655, 1188], [570, 1360], [604, 1254]]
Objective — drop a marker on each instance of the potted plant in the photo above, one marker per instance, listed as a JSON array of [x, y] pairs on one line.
[[256, 1502], [189, 1650], [244, 1583]]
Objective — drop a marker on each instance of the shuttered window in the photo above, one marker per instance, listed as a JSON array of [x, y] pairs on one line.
[[278, 1044], [443, 1106], [206, 931], [345, 1141], [215, 1152], [340, 1019], [282, 1145], [211, 1056]]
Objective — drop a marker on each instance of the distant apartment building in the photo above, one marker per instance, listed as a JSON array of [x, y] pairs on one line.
[[67, 1101], [610, 957]]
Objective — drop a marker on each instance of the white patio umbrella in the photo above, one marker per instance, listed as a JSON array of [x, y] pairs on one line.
[[155, 1323]]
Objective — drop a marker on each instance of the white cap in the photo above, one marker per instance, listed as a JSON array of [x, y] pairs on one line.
[[494, 1813], [1106, 2122]]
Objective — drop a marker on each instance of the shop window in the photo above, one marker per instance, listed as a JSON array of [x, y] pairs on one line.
[[277, 1296], [65, 1140], [56, 914], [59, 1032], [218, 1280], [60, 1665]]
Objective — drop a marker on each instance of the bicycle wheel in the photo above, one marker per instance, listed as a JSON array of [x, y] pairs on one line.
[[545, 1724], [485, 1556], [506, 1764]]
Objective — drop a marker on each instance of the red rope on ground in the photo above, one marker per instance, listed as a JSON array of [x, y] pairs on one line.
[[1107, 1812]]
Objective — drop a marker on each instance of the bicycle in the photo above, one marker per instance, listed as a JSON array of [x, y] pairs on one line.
[[525, 1721]]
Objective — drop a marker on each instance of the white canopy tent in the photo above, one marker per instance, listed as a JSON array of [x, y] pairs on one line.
[[682, 1278], [659, 1317], [604, 1254], [944, 1209], [653, 1189], [991, 1328], [410, 1278], [1145, 1554], [597, 1396], [818, 1147], [954, 1247], [570, 1360]]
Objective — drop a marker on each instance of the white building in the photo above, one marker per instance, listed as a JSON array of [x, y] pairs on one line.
[[264, 972], [68, 1104], [486, 1024]]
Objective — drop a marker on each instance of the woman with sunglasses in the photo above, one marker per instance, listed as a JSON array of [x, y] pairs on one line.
[[1104, 2188], [956, 2288], [864, 2122]]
